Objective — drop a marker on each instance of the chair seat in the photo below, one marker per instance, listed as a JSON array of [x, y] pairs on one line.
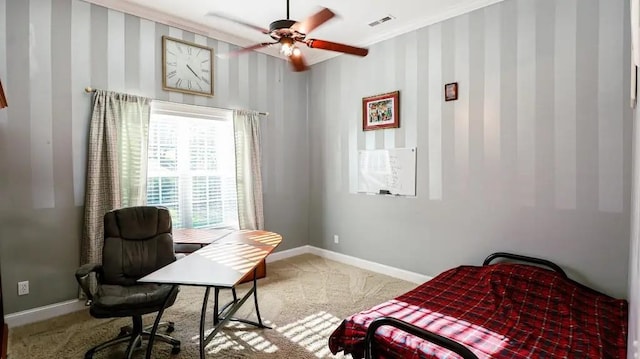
[[125, 301]]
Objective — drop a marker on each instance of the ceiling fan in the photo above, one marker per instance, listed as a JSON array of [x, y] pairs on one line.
[[289, 32]]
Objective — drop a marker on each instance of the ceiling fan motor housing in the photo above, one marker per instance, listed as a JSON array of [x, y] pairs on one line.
[[282, 28], [281, 24]]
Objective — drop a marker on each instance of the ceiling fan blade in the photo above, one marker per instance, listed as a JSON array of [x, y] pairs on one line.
[[297, 62], [313, 21], [334, 46], [246, 49], [225, 17]]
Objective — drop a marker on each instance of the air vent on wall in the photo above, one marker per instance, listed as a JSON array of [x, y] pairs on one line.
[[380, 21]]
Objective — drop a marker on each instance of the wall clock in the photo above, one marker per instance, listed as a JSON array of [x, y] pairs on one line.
[[187, 67]]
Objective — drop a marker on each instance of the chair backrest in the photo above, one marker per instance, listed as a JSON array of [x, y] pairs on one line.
[[137, 241]]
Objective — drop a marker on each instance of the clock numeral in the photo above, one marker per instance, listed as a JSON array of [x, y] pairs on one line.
[[205, 80], [171, 74], [189, 50], [171, 52], [189, 84], [178, 82], [201, 89], [179, 48], [205, 70], [199, 51], [204, 61], [172, 63]]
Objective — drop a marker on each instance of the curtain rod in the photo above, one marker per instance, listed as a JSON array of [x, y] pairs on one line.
[[90, 90]]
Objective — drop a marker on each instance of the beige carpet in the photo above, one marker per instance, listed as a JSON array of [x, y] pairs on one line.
[[303, 298]]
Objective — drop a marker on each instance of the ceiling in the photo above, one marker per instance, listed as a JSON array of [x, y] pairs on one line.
[[350, 26]]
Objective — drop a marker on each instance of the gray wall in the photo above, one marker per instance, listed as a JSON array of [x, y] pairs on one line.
[[534, 158], [49, 52]]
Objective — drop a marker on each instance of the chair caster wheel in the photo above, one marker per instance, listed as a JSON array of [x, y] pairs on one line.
[[175, 349], [88, 355], [170, 328]]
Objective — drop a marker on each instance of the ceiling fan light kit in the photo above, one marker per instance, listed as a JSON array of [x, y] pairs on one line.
[[288, 32], [287, 46]]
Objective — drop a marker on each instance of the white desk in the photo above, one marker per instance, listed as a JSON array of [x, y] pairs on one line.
[[219, 265]]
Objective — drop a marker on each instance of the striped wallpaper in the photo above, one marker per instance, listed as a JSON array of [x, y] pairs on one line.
[[102, 48], [534, 157], [538, 145], [525, 123], [50, 50]]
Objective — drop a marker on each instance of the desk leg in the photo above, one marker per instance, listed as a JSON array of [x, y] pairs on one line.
[[157, 321], [203, 317], [219, 320], [254, 290], [216, 315], [224, 307], [216, 306], [255, 298]]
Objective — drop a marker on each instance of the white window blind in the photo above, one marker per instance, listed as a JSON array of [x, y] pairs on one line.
[[191, 167]]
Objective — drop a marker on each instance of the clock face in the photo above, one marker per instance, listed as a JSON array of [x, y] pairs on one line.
[[187, 67]]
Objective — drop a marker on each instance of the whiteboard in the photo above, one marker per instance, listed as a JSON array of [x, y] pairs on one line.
[[392, 170]]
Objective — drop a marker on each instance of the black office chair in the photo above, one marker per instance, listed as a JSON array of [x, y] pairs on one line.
[[137, 241]]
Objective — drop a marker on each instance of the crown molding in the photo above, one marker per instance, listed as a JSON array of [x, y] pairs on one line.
[[177, 22], [187, 25], [415, 25], [434, 19]]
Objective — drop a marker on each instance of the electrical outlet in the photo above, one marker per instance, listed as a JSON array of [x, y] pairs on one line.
[[23, 288], [336, 239]]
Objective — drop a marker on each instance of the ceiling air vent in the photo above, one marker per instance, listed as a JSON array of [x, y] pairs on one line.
[[380, 21]]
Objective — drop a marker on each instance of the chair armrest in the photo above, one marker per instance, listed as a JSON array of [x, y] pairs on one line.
[[82, 276], [84, 270]]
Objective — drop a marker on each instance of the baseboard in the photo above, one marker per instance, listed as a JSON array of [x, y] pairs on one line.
[[43, 313], [354, 261], [371, 266], [277, 256], [50, 311]]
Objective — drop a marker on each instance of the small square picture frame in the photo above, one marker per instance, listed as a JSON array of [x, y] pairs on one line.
[[451, 91]]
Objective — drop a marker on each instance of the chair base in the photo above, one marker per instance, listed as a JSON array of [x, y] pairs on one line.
[[134, 335]]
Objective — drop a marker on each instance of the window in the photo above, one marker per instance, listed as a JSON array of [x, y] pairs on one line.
[[191, 165]]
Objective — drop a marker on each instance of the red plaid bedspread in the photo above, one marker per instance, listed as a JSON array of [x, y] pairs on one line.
[[497, 311]]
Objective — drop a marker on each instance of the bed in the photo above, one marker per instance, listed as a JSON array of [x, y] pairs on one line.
[[518, 307]]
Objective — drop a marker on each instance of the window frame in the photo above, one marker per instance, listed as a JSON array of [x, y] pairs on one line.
[[173, 109]]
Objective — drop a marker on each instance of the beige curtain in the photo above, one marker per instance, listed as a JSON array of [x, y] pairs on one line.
[[116, 163], [248, 173]]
